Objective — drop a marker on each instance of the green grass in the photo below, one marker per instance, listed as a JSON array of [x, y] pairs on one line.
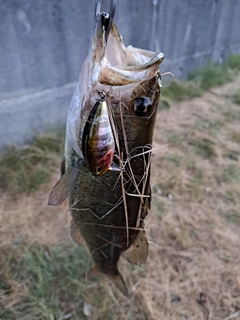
[[166, 187], [180, 91], [172, 158], [209, 125], [202, 80], [233, 62], [174, 138], [230, 174], [235, 136], [212, 75], [232, 115], [164, 104], [36, 283], [53, 284], [160, 208], [236, 98], [203, 148], [25, 169], [233, 216]]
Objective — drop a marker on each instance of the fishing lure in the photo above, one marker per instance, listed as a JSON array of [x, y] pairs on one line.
[[98, 141]]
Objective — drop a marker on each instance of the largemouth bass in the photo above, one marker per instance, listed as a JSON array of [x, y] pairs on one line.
[[108, 210]]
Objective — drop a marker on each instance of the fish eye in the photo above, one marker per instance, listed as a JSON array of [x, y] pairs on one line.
[[141, 106]]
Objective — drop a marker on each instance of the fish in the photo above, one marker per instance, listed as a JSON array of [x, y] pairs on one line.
[[108, 209]]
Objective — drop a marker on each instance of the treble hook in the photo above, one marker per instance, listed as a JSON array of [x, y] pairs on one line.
[[110, 15]]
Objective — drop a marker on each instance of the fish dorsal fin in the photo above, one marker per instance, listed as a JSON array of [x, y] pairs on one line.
[[137, 253], [63, 187]]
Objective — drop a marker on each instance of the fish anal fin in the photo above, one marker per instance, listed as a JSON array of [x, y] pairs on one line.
[[63, 187], [75, 233], [119, 283], [137, 253]]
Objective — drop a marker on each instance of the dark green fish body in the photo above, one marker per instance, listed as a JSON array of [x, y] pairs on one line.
[[109, 210]]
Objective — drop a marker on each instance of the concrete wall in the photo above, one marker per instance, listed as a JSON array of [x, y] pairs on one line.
[[43, 44]]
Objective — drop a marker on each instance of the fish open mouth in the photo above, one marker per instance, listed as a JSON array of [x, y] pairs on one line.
[[123, 65], [116, 64]]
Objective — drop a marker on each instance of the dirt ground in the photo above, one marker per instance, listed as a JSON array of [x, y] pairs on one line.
[[193, 267]]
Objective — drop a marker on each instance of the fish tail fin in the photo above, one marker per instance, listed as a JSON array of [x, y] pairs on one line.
[[119, 283], [117, 279]]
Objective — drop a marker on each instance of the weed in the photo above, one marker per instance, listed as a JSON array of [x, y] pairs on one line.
[[180, 91], [160, 209], [172, 158], [51, 141], [233, 216], [164, 104], [54, 283], [191, 190], [231, 196], [236, 98], [203, 148], [51, 285], [235, 136], [232, 62], [231, 114], [167, 187], [232, 154], [25, 169], [183, 240], [230, 174], [193, 169], [207, 124], [211, 76], [174, 137], [202, 80]]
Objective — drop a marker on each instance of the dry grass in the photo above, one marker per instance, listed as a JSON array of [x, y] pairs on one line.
[[192, 271]]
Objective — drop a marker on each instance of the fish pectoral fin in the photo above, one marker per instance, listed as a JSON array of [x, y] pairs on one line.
[[119, 283], [75, 233], [137, 253], [63, 187]]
